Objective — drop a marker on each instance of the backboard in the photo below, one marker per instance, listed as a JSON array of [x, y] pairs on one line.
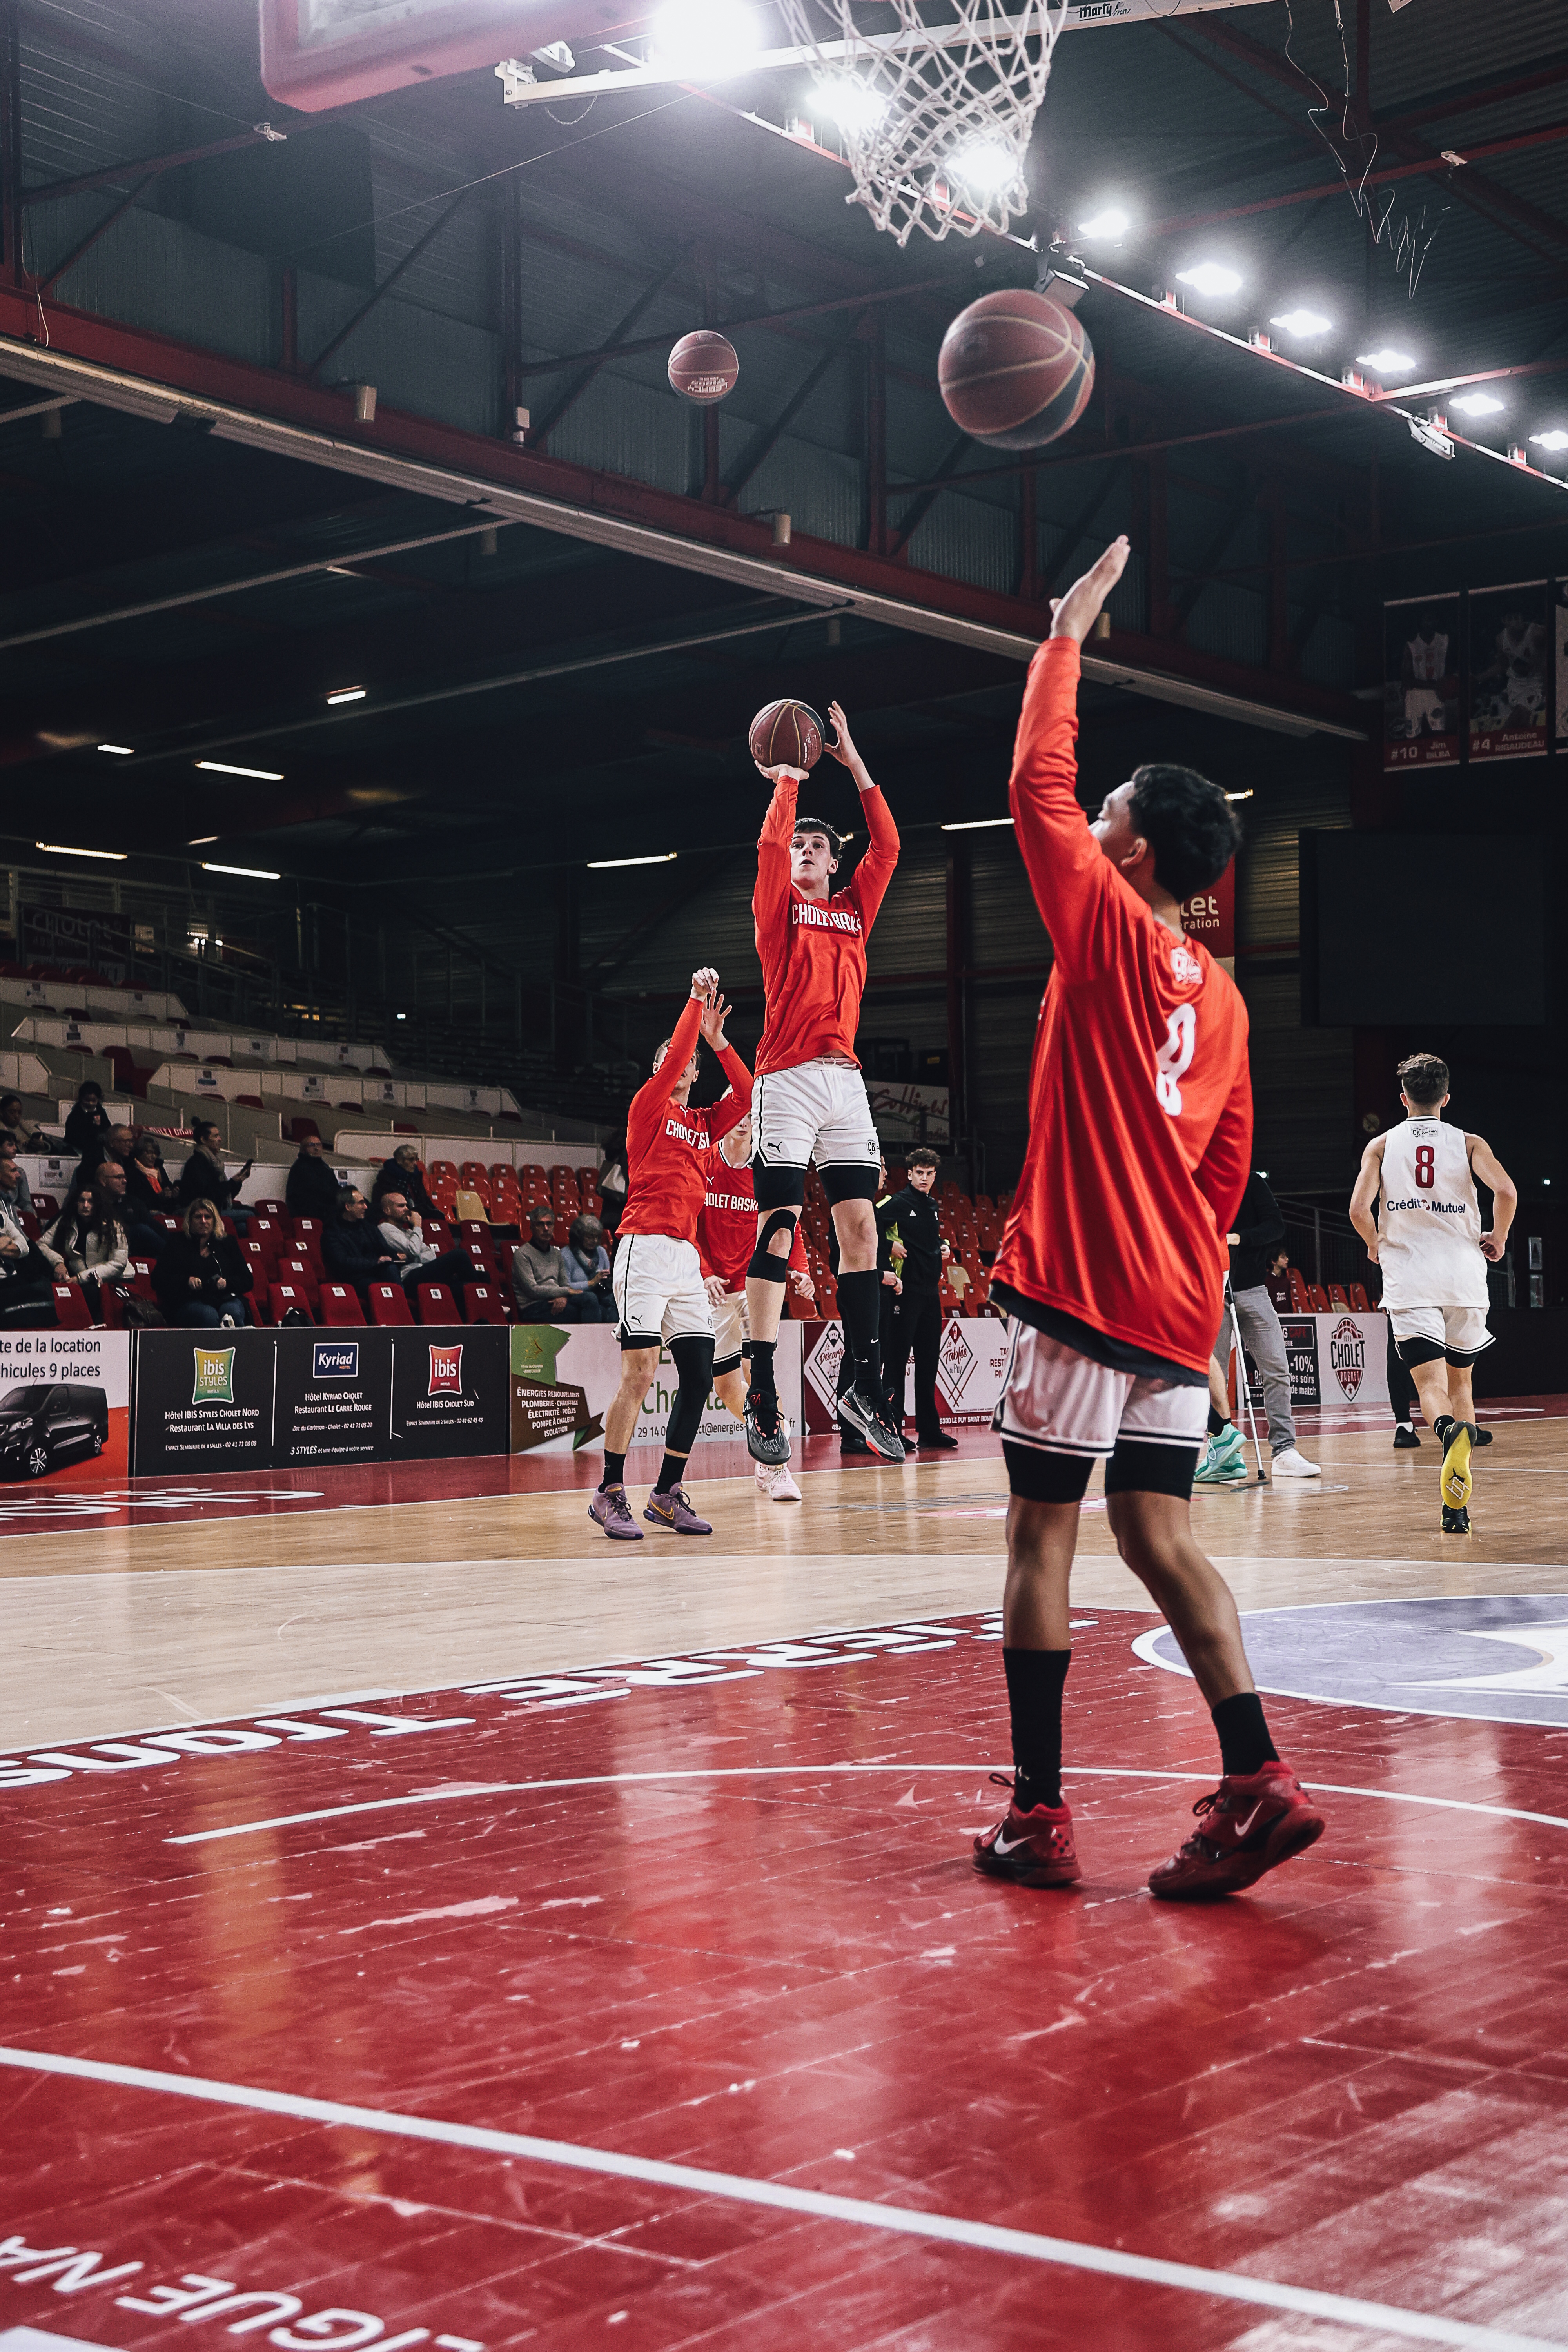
[[322, 53]]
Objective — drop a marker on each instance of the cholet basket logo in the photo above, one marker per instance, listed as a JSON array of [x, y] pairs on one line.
[[1347, 1354], [213, 1382]]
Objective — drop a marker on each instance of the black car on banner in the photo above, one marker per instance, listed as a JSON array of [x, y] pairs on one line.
[[46, 1422]]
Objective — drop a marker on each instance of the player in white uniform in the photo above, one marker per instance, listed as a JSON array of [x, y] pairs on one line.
[[1427, 1238]]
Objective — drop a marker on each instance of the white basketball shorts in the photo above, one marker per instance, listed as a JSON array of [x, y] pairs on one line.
[[729, 1331], [1062, 1402], [1421, 1334], [659, 1292], [818, 1111]]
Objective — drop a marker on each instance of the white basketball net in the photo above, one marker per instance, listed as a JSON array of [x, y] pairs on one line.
[[936, 117]]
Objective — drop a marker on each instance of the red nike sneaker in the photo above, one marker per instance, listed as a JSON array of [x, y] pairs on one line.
[[1032, 1849], [1250, 1823]]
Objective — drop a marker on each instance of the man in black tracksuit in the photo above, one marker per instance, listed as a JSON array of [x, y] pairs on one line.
[[851, 1440], [917, 1313]]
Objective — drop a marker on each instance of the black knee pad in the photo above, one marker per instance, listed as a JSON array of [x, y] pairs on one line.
[[693, 1359], [848, 1184], [1139, 1467], [778, 1188], [773, 1265], [1411, 1352], [1038, 1477]]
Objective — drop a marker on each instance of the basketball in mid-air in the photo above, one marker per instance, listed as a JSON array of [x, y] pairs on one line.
[[786, 739], [703, 367], [1016, 370]]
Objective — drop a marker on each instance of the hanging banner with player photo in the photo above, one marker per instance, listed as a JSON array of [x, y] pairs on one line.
[[1508, 633], [1422, 659]]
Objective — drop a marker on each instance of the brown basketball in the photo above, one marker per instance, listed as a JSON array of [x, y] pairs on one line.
[[703, 367], [1016, 370], [786, 736]]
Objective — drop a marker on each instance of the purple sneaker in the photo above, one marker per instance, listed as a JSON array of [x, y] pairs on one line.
[[674, 1510], [613, 1512]]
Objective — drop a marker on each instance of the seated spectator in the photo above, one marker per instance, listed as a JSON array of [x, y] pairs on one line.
[[585, 1263], [15, 1122], [205, 1176], [149, 1187], [313, 1188], [89, 1120], [354, 1249], [203, 1275], [613, 1182], [87, 1243], [402, 1173], [540, 1282], [111, 1183], [26, 1276], [14, 1192]]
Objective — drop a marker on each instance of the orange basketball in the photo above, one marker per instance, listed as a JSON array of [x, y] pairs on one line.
[[786, 738], [703, 367], [1016, 370]]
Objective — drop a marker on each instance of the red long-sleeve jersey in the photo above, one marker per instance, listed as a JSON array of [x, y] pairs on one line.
[[727, 1227], [667, 1142], [1139, 1100], [813, 950]]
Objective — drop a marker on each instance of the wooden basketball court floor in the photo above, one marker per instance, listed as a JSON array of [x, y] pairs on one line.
[[428, 1924]]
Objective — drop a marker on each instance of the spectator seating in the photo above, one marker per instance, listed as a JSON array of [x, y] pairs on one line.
[[436, 1304], [1358, 1297], [339, 1304], [389, 1304], [485, 1302], [286, 1298], [71, 1307]]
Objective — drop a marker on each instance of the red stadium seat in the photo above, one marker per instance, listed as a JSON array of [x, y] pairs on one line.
[[484, 1302], [47, 1205], [388, 1303], [1338, 1297], [436, 1304], [272, 1208], [1300, 1298], [286, 1298], [139, 1281], [308, 1238], [1319, 1297], [1358, 1297], [70, 1307], [340, 1305]]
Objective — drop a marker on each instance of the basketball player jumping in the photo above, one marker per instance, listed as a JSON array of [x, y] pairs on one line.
[[658, 1278], [1112, 1268], [811, 1101], [726, 1236], [1428, 1240]]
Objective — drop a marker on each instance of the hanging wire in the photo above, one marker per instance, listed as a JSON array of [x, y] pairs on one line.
[[1409, 241]]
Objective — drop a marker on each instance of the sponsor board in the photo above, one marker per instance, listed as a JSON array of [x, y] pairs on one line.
[[199, 1407], [450, 1393], [563, 1382], [1335, 1360], [972, 1363], [65, 1399]]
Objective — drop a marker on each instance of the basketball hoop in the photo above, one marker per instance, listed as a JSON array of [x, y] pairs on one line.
[[936, 117]]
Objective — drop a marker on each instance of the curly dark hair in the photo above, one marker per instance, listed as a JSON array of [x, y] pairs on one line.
[[1424, 1078], [1188, 824]]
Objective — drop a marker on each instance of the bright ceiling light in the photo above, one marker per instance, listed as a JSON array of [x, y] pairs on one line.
[[63, 849], [1479, 403], [601, 865], [1555, 439], [1246, 795], [985, 165], [251, 873], [975, 824], [1302, 322], [1110, 223], [346, 694], [1210, 278], [120, 750], [850, 104], [707, 39], [1386, 360], [202, 841], [257, 775]]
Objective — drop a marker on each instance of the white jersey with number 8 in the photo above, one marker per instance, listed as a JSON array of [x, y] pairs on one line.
[[1429, 1221]]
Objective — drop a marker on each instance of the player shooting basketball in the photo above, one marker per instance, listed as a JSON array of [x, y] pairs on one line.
[[1112, 1268], [810, 1102]]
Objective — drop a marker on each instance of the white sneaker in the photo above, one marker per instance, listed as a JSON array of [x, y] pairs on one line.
[[1292, 1465], [777, 1484]]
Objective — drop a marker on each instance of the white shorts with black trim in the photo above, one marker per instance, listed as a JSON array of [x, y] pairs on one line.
[[731, 1332], [818, 1111], [1058, 1401], [659, 1292], [1459, 1333]]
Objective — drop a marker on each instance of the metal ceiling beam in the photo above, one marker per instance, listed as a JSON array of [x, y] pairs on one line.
[[538, 438], [1425, 166], [335, 342], [766, 438], [77, 251], [1470, 98], [115, 176], [601, 353]]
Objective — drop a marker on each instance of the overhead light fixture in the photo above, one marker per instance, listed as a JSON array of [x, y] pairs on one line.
[[850, 104], [985, 165], [1302, 322], [402, 1016], [1110, 223], [64, 849], [601, 865], [1210, 278], [1246, 795], [708, 39], [120, 750], [346, 694], [202, 841], [975, 824], [1479, 403], [251, 873], [257, 775], [1386, 360], [1555, 439]]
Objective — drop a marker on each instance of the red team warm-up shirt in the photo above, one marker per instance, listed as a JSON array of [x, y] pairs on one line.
[[1140, 1101], [813, 950], [727, 1228], [667, 1142]]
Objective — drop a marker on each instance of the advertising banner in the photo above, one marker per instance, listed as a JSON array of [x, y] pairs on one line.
[[1508, 671], [65, 1399], [63, 935], [910, 1114], [204, 1401], [1335, 1360], [971, 1366], [332, 1395], [1211, 917], [449, 1392], [563, 1382], [1422, 663]]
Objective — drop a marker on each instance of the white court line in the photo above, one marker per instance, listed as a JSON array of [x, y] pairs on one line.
[[950, 2229], [818, 1772]]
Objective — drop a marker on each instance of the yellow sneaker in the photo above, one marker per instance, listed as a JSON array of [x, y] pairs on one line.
[[1455, 1483]]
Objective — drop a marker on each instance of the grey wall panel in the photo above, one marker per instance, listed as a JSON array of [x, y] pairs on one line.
[[156, 273], [1229, 621], [630, 428], [819, 489], [437, 367], [963, 540]]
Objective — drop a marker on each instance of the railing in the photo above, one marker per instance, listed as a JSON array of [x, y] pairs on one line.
[[1325, 1246]]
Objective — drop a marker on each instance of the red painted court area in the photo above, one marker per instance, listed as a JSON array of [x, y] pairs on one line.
[[533, 1946]]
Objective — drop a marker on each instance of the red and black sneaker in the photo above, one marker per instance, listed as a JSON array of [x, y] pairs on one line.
[[1032, 1849], [1249, 1824]]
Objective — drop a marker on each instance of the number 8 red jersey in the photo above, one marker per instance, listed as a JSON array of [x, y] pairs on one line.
[[1140, 1101]]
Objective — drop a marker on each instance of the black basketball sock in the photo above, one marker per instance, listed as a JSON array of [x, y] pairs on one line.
[[614, 1469], [671, 1471], [1218, 1422], [1244, 1746], [761, 1377], [1034, 1680], [859, 1309], [1441, 1427]]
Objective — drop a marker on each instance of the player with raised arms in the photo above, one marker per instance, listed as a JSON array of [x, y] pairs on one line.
[[811, 1103], [660, 1296], [1113, 1269]]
